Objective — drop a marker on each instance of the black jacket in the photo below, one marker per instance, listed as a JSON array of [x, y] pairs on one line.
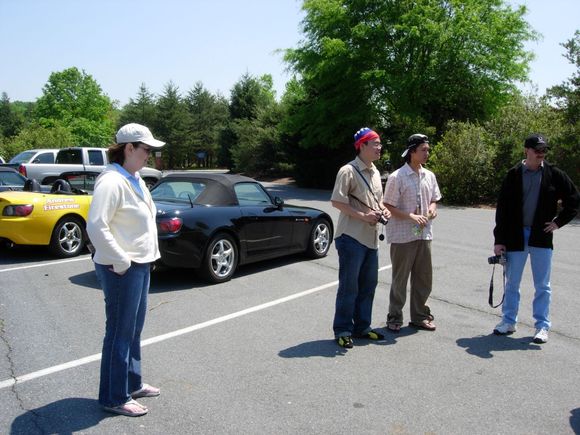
[[509, 215]]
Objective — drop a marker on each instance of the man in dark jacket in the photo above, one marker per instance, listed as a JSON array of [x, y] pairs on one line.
[[526, 217]]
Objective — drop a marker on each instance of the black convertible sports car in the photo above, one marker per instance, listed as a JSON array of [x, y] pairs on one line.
[[216, 222]]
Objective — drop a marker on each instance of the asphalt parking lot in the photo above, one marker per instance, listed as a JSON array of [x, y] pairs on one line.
[[256, 356]]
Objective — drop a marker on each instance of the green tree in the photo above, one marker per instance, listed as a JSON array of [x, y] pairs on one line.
[[471, 159], [393, 64], [247, 142], [172, 126], [73, 99], [209, 114], [567, 97], [140, 110], [37, 136], [10, 120], [258, 150], [250, 95], [519, 118], [567, 94], [463, 161]]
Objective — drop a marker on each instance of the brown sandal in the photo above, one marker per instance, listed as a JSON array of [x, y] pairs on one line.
[[394, 327], [426, 324]]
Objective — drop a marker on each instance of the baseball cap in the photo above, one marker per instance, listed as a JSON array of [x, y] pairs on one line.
[[414, 140], [137, 133], [536, 141]]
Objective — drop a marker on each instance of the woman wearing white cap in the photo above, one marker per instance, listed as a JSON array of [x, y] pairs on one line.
[[121, 226]]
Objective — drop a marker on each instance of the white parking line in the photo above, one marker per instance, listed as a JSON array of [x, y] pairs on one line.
[[96, 357], [32, 266]]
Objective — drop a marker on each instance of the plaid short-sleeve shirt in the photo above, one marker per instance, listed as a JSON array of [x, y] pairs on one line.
[[406, 190]]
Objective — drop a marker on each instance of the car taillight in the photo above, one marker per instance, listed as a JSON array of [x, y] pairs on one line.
[[169, 225], [18, 210], [22, 170]]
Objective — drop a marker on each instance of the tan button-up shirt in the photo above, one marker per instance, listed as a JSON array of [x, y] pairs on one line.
[[348, 186]]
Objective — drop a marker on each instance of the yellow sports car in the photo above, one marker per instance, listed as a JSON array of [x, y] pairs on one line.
[[56, 219]]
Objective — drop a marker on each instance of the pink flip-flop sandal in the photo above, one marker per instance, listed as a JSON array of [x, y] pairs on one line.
[[146, 391], [132, 408]]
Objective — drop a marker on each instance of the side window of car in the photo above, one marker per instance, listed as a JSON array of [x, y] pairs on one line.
[[45, 158], [96, 158], [182, 190], [163, 191], [70, 156], [251, 194]]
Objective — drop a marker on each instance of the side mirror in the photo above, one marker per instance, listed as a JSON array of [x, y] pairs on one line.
[[278, 202]]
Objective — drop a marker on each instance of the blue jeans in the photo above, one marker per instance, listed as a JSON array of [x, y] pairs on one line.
[[125, 308], [357, 280], [541, 262]]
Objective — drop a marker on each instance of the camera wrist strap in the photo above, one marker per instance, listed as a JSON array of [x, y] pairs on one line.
[[490, 300]]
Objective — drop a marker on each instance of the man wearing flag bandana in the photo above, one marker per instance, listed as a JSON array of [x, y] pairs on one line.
[[357, 194]]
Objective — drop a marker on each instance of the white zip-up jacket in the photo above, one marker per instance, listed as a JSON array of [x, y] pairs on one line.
[[121, 224]]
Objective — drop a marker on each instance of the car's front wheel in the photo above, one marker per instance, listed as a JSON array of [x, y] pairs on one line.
[[320, 239], [221, 259], [68, 237]]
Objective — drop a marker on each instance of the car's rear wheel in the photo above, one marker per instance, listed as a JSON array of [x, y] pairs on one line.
[[221, 259], [68, 237], [320, 239]]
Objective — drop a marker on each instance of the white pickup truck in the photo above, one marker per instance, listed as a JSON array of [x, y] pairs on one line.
[[78, 159]]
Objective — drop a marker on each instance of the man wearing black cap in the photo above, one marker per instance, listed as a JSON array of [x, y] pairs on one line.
[[411, 195], [526, 216]]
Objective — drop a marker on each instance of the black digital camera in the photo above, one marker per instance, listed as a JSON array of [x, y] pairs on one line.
[[497, 259], [383, 220]]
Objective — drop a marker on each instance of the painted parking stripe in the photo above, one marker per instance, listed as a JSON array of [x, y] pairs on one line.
[[32, 266], [96, 357]]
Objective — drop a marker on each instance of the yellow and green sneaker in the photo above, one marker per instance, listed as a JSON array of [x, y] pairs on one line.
[[345, 342]]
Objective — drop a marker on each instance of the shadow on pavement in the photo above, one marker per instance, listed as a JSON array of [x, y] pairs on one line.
[[65, 416], [575, 420], [86, 279], [483, 346], [329, 348], [324, 348]]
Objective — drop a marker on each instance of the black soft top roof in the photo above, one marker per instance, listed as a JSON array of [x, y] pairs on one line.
[[226, 179], [220, 191]]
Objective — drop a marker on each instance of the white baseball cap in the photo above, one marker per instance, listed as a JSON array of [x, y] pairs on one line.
[[137, 133]]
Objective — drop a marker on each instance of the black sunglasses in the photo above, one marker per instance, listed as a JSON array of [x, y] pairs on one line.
[[145, 148]]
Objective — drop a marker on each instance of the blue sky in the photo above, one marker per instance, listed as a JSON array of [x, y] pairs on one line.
[[123, 43]]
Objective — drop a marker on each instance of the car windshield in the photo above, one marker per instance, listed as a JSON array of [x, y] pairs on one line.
[[10, 178], [84, 182], [23, 157]]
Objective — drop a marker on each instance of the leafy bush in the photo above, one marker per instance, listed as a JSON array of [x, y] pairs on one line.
[[37, 137], [463, 161]]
